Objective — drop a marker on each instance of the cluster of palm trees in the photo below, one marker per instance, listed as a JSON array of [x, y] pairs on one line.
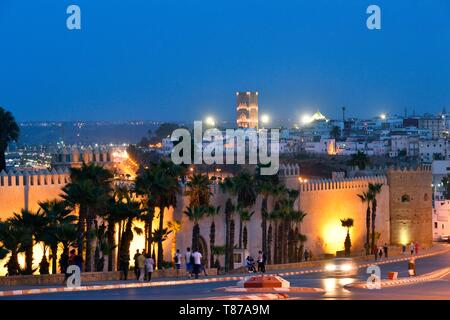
[[369, 197], [52, 226]]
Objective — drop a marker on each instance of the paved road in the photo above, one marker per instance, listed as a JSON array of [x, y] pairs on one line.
[[439, 289]]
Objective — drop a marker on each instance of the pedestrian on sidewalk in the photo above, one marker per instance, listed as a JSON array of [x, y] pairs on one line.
[[136, 270], [196, 257], [141, 267], [416, 248], [261, 262], [149, 264], [306, 255], [189, 265], [412, 266], [380, 253], [403, 248], [385, 249], [375, 252], [411, 248], [177, 262]]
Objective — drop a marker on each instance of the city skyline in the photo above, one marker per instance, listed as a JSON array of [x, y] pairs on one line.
[[181, 62]]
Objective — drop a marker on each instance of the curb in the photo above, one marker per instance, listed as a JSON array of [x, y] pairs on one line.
[[272, 290], [404, 281], [268, 296]]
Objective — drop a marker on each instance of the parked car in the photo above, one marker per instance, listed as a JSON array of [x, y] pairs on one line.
[[341, 267], [445, 238]]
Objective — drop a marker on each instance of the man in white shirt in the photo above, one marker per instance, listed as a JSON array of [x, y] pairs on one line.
[[177, 261], [189, 266], [197, 262]]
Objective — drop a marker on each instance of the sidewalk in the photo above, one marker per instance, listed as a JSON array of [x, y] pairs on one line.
[[109, 285]]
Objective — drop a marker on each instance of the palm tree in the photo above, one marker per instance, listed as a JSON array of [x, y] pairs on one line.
[[266, 187], [56, 213], [212, 212], [296, 218], [245, 216], [89, 191], [244, 188], [11, 238], [160, 183], [347, 223], [9, 132], [197, 189], [195, 214], [174, 226], [229, 235], [360, 160], [67, 235], [31, 224], [366, 197], [130, 211], [374, 189]]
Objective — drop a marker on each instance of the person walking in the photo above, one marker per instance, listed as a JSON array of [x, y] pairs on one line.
[[411, 248], [375, 252], [380, 253], [177, 262], [189, 265], [197, 259], [385, 249], [306, 255], [416, 248], [149, 265], [140, 266], [412, 266], [136, 269], [261, 262], [403, 248]]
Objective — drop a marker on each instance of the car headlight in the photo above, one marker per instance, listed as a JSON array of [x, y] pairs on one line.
[[346, 267], [330, 267]]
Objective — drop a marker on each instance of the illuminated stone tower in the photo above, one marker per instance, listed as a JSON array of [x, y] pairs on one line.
[[247, 109], [410, 205]]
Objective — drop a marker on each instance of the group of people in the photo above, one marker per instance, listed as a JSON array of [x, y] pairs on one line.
[[144, 265], [193, 263], [68, 260], [379, 252], [413, 248], [262, 260]]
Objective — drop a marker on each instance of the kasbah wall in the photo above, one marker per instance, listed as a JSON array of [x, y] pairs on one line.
[[324, 201]]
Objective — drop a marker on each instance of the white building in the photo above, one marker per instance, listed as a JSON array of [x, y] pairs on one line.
[[441, 213], [429, 148]]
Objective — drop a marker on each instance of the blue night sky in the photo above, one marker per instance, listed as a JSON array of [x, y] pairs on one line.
[[179, 60]]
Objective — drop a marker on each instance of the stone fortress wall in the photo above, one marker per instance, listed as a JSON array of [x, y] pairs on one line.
[[325, 201]]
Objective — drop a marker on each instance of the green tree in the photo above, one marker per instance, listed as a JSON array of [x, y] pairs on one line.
[[55, 213], [335, 132], [360, 160], [30, 223], [89, 191], [9, 132], [11, 239], [374, 189], [195, 214], [212, 212], [347, 223], [366, 198]]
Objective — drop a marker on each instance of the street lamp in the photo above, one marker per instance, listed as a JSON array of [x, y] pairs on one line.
[[383, 116], [265, 119], [210, 121]]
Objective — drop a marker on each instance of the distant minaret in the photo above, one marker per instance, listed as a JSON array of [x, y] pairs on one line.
[[343, 114]]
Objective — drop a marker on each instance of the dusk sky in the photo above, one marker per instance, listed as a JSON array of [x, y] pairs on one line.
[[180, 60]]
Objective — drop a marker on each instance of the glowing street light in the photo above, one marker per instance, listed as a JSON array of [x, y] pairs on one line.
[[265, 119], [210, 121], [383, 116]]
